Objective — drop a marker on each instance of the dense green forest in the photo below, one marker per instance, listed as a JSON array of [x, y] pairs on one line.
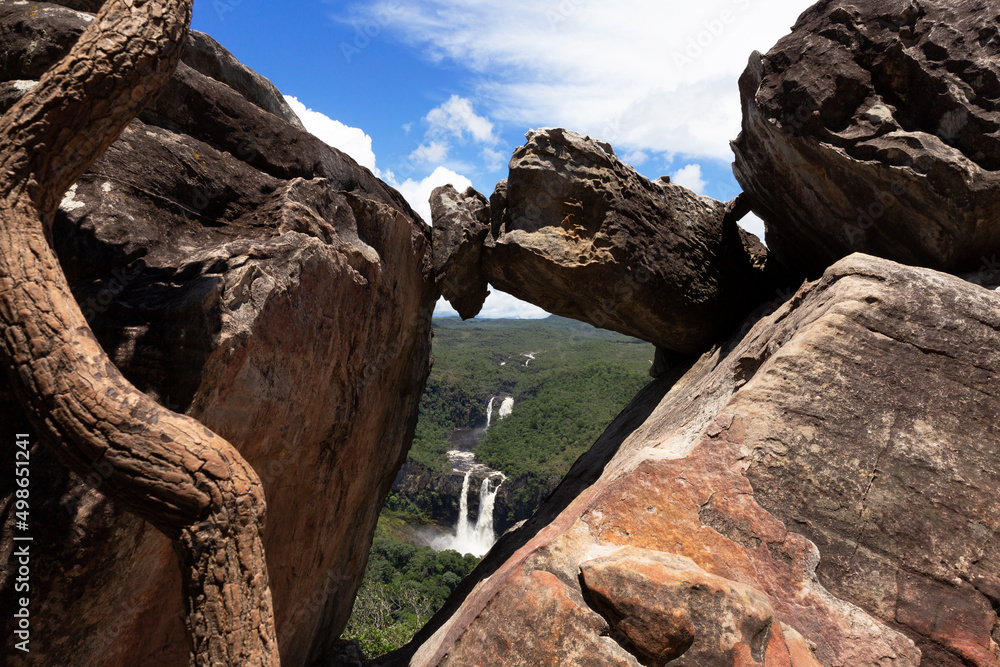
[[403, 585], [579, 379]]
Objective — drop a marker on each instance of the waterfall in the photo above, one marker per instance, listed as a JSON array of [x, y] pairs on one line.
[[485, 537], [506, 407], [489, 411], [462, 529], [468, 538]]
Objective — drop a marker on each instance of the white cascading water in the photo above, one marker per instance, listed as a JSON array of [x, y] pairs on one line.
[[489, 411], [462, 529], [485, 537], [506, 407], [475, 538]]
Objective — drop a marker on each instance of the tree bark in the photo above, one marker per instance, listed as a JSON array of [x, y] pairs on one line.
[[167, 468]]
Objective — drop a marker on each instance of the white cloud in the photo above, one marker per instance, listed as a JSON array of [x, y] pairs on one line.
[[647, 75], [434, 152], [456, 117], [453, 120], [635, 158], [351, 140], [689, 177], [417, 193], [494, 159], [498, 305], [754, 225]]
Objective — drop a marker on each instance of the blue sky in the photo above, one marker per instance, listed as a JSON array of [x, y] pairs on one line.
[[436, 91]]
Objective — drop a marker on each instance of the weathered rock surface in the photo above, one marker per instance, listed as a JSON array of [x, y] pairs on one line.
[[583, 235], [461, 222], [667, 610], [238, 270], [839, 459], [873, 127], [205, 55], [91, 6]]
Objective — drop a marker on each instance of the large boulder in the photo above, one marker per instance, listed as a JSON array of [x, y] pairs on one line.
[[461, 222], [872, 127], [583, 235], [205, 55], [833, 469], [240, 271]]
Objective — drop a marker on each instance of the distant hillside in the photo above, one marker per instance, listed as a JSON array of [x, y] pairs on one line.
[[578, 380]]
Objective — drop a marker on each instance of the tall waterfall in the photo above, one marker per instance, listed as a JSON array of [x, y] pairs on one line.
[[506, 407], [485, 537], [462, 529], [479, 537], [489, 411]]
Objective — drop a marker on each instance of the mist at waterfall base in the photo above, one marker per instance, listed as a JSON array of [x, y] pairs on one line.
[[470, 537], [475, 537]]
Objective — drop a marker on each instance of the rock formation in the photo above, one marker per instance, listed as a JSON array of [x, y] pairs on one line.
[[872, 127], [583, 235], [831, 470], [810, 483], [238, 270], [461, 223], [821, 487]]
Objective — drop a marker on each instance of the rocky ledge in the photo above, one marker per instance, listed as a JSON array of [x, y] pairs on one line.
[[830, 473]]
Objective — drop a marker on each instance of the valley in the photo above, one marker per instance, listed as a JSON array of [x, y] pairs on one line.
[[509, 405]]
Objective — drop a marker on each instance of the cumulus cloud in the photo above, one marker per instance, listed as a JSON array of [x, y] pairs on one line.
[[432, 152], [456, 117], [453, 120], [351, 140], [417, 193], [642, 74], [689, 177]]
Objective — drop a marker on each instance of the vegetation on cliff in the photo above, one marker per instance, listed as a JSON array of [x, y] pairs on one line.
[[573, 384], [403, 585]]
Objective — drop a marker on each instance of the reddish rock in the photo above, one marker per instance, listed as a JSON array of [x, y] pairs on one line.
[[840, 456], [668, 610], [554, 627]]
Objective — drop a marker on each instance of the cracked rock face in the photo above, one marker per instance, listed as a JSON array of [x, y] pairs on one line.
[[240, 271], [875, 127], [834, 466], [668, 610], [583, 235]]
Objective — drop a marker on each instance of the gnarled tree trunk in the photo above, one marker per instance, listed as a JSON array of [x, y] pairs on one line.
[[169, 469]]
